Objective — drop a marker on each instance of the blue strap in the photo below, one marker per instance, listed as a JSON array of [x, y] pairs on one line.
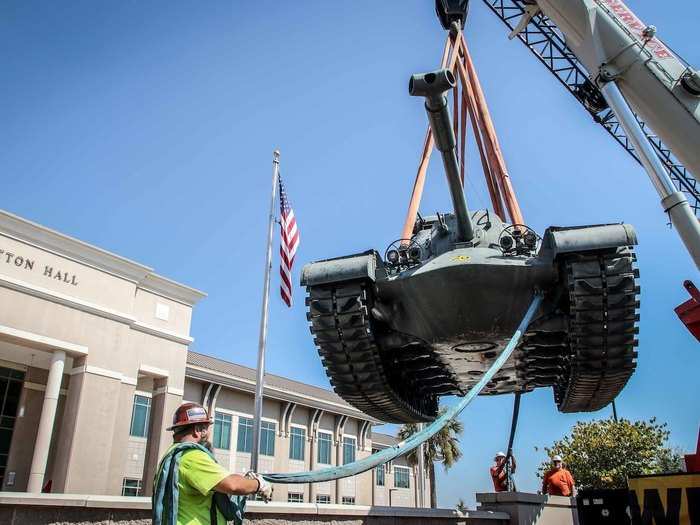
[[158, 497], [166, 494], [414, 441]]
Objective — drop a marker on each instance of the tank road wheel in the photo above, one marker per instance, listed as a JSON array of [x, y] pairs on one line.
[[603, 310], [344, 336]]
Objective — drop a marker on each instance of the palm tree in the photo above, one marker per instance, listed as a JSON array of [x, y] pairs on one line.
[[443, 447], [461, 506]]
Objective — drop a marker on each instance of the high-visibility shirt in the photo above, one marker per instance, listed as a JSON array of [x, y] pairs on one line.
[[199, 474], [558, 482]]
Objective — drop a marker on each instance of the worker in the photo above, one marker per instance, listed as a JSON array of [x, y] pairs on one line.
[[498, 471], [558, 481], [188, 474]]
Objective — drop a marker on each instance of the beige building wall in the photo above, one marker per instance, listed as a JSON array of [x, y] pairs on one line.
[[115, 321], [391, 492]]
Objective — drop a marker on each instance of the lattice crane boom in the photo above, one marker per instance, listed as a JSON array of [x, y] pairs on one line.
[[546, 41], [632, 84]]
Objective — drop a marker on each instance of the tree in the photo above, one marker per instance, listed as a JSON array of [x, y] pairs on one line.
[[443, 447], [605, 453], [461, 506], [670, 459]]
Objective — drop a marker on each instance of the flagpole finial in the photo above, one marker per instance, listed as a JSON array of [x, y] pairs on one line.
[[276, 155]]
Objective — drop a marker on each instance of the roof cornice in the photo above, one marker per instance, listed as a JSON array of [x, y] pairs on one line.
[[163, 286], [274, 392], [47, 239], [57, 242]]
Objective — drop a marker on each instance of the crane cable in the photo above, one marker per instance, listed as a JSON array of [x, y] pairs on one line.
[[414, 441]]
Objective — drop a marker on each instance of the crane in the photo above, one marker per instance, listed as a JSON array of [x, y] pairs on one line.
[[644, 95]]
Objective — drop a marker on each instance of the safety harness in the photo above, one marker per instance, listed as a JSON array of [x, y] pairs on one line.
[[166, 493]]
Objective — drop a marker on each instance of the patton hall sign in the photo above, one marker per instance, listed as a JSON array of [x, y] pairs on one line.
[[50, 272]]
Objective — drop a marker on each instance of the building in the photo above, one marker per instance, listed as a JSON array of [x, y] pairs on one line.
[[94, 359]]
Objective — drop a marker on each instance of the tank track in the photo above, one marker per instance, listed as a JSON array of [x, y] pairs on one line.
[[344, 334], [603, 311]]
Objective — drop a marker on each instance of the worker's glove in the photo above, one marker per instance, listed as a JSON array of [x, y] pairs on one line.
[[264, 487]]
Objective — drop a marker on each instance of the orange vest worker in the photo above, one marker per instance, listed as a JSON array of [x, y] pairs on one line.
[[558, 481]]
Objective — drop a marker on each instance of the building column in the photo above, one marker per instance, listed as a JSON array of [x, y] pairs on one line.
[[314, 422], [48, 416], [119, 453], [338, 438], [163, 404], [312, 466]]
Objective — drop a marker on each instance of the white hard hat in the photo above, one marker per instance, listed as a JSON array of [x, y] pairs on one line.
[[557, 458], [500, 455]]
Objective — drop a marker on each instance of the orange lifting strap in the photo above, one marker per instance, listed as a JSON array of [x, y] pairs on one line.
[[468, 100]]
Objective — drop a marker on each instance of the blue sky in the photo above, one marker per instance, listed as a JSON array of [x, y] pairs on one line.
[[147, 128]]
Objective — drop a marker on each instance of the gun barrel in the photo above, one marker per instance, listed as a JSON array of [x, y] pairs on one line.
[[433, 86]]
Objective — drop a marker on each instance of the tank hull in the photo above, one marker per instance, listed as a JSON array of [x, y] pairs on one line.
[[453, 296], [393, 340]]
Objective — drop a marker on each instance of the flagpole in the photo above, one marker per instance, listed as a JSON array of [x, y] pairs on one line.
[[259, 384]]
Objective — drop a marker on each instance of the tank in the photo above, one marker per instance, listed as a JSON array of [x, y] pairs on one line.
[[426, 318]]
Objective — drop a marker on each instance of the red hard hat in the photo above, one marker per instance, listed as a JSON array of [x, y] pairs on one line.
[[189, 414]]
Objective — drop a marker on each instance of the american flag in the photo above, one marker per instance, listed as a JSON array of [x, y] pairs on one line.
[[289, 243]]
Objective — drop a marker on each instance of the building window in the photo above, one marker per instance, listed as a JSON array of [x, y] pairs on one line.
[[140, 416], [325, 499], [348, 500], [222, 430], [267, 438], [401, 478], [10, 392], [297, 438], [245, 434], [348, 449], [380, 475], [324, 448], [295, 497], [131, 487]]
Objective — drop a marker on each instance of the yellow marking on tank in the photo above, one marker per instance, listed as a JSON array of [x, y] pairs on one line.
[[461, 258]]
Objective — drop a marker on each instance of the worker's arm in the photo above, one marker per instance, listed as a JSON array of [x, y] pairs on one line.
[[237, 485], [204, 474]]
